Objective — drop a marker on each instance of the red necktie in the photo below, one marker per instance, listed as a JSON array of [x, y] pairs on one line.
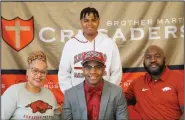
[[94, 90]]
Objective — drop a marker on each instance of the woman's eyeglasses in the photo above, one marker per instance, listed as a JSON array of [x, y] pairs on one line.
[[35, 71]]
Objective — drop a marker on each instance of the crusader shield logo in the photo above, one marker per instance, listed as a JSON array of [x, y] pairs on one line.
[[17, 33]]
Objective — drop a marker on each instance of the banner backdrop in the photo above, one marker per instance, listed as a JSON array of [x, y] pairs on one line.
[[46, 26]]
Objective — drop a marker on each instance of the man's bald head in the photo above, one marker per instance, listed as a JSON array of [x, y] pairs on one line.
[[155, 48]]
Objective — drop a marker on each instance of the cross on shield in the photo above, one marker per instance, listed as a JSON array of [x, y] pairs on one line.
[[17, 33]]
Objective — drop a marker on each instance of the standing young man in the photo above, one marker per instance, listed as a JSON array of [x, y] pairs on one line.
[[160, 92], [70, 69], [95, 98]]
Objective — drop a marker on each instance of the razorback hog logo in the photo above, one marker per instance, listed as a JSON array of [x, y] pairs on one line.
[[39, 106], [17, 33]]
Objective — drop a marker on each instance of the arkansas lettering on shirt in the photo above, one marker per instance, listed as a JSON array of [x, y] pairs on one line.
[[37, 117]]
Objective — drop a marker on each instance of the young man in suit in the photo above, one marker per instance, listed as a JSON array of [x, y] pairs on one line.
[[95, 98]]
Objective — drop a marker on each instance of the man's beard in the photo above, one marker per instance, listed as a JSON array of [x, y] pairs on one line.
[[157, 71]]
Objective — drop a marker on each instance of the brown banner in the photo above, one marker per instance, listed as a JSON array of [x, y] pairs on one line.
[[30, 26], [132, 25]]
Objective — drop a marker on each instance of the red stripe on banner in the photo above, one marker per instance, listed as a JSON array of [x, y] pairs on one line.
[[78, 68]]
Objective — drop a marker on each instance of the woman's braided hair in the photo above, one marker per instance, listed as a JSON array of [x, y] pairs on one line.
[[37, 55]]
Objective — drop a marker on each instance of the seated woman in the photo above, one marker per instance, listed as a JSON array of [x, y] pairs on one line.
[[30, 100]]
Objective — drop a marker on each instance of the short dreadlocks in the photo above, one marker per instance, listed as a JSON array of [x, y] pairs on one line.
[[89, 10]]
